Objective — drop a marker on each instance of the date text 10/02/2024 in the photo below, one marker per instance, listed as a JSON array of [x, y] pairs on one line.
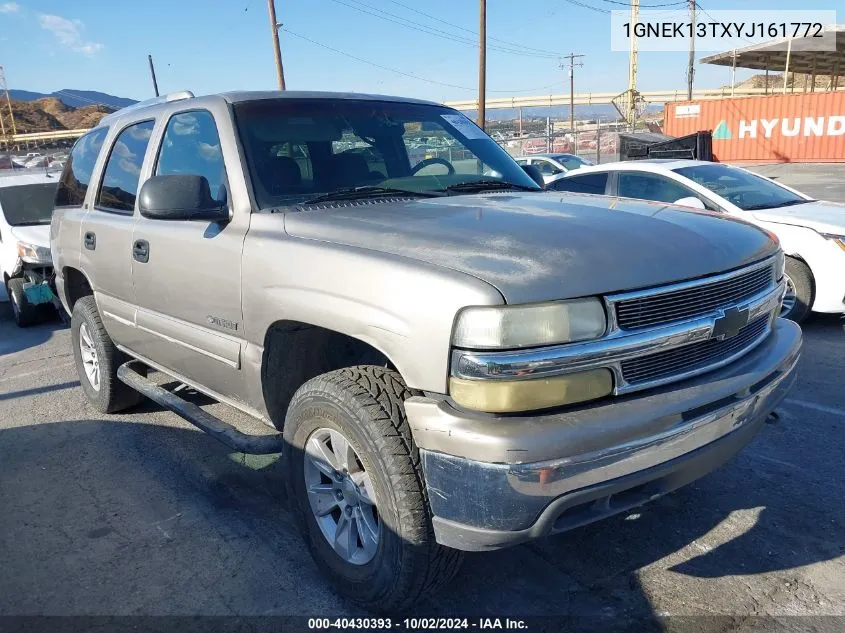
[[413, 624]]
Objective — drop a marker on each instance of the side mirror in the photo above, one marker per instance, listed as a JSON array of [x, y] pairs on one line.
[[180, 197], [534, 173], [691, 201]]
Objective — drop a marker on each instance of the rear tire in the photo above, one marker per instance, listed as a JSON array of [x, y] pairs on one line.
[[97, 360], [365, 406], [24, 312], [800, 291]]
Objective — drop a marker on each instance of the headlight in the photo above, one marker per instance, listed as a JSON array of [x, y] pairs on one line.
[[511, 396], [509, 327], [33, 254], [838, 239]]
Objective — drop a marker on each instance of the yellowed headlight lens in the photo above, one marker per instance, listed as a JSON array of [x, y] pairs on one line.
[[510, 396]]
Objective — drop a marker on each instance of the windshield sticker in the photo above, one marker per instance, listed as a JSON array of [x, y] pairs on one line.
[[464, 125]]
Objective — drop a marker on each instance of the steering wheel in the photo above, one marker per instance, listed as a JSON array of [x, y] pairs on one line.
[[433, 161]]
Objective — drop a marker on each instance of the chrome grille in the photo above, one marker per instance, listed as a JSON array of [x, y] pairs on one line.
[[693, 300], [690, 358]]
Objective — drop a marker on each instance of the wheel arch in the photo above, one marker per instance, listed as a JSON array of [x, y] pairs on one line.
[[296, 351], [76, 285]]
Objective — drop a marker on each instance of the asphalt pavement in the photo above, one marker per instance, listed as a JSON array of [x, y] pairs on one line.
[[141, 514]]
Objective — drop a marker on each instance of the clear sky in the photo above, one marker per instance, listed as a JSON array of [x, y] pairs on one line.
[[216, 45]]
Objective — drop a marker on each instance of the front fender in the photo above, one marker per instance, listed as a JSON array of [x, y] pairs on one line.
[[404, 308]]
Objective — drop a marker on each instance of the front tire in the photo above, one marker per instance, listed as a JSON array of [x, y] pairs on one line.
[[24, 312], [800, 291], [348, 427], [97, 360]]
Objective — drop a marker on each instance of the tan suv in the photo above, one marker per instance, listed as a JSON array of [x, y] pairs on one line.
[[453, 358]]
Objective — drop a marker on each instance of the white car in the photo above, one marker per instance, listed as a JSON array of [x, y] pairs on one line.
[[553, 166], [811, 232], [26, 208]]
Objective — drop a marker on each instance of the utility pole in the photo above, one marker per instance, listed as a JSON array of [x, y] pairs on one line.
[[5, 89], [632, 64], [482, 63], [153, 73], [733, 72], [277, 51], [691, 68], [572, 64]]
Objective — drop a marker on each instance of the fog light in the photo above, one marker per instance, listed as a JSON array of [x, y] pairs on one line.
[[509, 396]]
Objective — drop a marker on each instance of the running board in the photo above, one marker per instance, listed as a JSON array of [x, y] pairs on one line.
[[214, 426]]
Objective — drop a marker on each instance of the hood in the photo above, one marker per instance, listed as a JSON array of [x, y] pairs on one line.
[[824, 217], [543, 246], [36, 235]]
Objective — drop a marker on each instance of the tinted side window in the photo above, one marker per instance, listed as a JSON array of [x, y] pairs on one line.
[[191, 145], [123, 169], [650, 187], [588, 183], [77, 172]]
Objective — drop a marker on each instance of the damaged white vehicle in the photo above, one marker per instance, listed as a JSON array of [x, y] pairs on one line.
[[26, 207]]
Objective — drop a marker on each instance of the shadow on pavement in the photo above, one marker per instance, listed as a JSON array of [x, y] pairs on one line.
[[14, 339], [11, 395], [107, 517]]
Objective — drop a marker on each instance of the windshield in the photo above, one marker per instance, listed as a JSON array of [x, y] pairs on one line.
[[741, 188], [301, 149], [24, 205], [570, 161]]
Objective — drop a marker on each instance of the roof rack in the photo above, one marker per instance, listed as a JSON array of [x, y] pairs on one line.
[[170, 96]]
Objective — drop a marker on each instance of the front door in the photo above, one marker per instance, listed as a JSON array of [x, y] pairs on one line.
[[187, 274]]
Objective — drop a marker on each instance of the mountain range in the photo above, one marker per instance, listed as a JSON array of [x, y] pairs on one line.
[[75, 98]]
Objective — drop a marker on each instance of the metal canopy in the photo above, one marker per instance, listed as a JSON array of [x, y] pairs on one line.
[[771, 56]]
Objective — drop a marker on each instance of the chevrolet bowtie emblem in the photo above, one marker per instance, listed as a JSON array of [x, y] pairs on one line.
[[729, 323]]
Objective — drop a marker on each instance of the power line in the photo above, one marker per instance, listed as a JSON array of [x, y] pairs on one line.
[[429, 30], [646, 6], [396, 70], [474, 33], [588, 6], [584, 5], [700, 8]]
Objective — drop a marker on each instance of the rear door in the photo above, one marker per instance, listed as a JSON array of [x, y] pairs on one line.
[[107, 231], [70, 206], [187, 274]]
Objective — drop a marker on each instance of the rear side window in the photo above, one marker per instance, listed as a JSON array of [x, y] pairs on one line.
[[78, 170], [123, 169], [191, 145], [588, 183]]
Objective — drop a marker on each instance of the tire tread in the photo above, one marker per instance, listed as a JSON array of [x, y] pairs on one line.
[[381, 393]]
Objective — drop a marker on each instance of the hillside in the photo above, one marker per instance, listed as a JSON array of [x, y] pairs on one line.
[[776, 81], [50, 113], [75, 98]]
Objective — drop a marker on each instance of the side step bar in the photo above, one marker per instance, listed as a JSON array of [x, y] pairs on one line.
[[217, 428]]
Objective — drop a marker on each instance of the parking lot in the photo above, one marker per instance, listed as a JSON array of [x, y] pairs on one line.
[[142, 514]]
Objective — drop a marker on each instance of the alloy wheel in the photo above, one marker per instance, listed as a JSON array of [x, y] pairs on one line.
[[341, 496]]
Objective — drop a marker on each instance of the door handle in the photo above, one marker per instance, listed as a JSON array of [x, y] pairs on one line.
[[141, 251], [90, 241]]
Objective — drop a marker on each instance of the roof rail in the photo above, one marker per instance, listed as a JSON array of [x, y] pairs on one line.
[[167, 98]]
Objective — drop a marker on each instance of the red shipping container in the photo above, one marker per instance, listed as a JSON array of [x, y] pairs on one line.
[[780, 128]]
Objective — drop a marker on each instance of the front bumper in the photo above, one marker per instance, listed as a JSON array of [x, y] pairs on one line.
[[496, 481]]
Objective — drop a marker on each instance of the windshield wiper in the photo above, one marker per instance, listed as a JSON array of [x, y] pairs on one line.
[[787, 203], [356, 193], [475, 186]]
